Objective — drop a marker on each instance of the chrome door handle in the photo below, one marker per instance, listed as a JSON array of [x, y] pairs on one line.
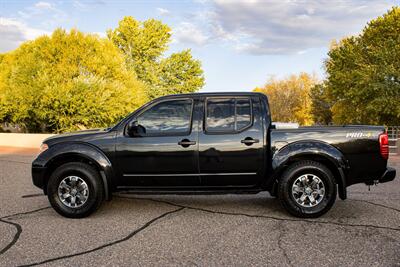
[[186, 143], [248, 141]]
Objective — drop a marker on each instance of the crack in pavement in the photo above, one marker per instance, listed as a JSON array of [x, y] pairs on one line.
[[375, 204], [203, 251], [129, 236], [368, 193], [24, 212], [15, 238], [280, 236], [17, 226], [264, 216], [180, 207]]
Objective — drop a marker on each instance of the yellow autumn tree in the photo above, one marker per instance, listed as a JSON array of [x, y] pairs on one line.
[[289, 98], [65, 82]]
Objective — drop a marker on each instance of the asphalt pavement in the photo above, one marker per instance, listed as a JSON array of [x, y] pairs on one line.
[[216, 230]]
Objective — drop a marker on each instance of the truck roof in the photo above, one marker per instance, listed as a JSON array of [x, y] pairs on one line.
[[216, 94]]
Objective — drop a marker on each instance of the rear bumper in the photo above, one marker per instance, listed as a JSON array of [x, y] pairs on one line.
[[388, 176]]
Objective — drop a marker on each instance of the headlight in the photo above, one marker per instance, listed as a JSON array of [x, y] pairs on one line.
[[43, 147]]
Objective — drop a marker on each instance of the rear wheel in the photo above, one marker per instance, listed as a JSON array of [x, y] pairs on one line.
[[307, 189], [75, 190]]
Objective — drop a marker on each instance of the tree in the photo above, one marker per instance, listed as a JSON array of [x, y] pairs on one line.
[[320, 107], [363, 74], [144, 44], [289, 98], [65, 82]]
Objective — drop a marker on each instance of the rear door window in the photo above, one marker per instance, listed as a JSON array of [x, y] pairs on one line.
[[243, 113], [227, 115]]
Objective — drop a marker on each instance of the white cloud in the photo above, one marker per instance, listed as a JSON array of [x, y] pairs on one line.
[[282, 27], [50, 15], [79, 5], [162, 11], [14, 32], [43, 5], [218, 32], [201, 1], [188, 33]]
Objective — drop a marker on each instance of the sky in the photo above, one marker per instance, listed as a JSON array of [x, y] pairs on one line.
[[239, 43]]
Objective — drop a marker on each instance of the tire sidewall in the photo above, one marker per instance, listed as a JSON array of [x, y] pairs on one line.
[[85, 172], [286, 190]]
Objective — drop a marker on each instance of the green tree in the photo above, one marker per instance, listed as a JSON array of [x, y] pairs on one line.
[[67, 81], [289, 98], [144, 45], [363, 74], [320, 106]]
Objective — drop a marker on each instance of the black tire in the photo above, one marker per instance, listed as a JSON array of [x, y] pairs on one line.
[[94, 184], [288, 179]]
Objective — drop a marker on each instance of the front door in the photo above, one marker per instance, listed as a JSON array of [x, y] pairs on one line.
[[166, 154], [231, 142]]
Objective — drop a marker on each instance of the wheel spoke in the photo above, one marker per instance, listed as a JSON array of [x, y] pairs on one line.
[[81, 197], [304, 181], [297, 189], [314, 183], [311, 198], [64, 185], [319, 192], [81, 187], [73, 181], [73, 200]]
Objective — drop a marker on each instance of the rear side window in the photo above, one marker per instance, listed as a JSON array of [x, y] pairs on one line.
[[243, 113], [220, 115], [227, 115]]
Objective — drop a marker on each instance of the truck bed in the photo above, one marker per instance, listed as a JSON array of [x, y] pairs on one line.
[[358, 143]]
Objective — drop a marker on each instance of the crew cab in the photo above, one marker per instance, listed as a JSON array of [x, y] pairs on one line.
[[210, 143]]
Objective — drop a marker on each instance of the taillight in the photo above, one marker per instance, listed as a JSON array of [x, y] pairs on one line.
[[384, 145]]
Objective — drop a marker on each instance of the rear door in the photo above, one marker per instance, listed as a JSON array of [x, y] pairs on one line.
[[231, 142]]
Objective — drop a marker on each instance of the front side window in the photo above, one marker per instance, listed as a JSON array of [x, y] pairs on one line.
[[166, 118], [228, 115]]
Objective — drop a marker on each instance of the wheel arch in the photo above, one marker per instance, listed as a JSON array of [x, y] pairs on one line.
[[317, 151], [78, 152]]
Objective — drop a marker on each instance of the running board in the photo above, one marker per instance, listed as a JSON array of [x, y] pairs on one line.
[[141, 191]]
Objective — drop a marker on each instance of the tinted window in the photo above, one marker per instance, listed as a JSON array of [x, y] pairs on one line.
[[170, 117], [221, 115], [243, 113]]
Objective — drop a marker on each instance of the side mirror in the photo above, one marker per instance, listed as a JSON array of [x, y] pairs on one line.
[[134, 129]]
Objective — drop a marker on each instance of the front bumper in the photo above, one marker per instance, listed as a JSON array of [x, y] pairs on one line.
[[388, 175], [38, 175]]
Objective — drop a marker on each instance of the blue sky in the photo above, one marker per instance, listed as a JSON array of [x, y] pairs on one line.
[[240, 43]]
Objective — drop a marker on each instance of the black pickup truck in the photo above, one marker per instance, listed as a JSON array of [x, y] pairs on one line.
[[210, 143]]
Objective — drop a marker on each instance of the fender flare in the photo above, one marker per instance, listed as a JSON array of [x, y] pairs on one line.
[[83, 150], [310, 149]]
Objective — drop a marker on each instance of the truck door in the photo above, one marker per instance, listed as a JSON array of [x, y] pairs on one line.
[[231, 142], [165, 155]]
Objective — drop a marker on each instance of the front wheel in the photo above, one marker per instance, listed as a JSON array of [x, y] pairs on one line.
[[307, 189], [75, 190]]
